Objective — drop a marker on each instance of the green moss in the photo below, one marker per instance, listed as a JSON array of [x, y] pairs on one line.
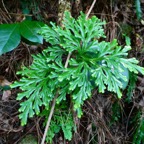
[[29, 139]]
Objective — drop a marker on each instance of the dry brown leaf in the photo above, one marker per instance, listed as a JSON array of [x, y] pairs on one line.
[[141, 103], [4, 82], [6, 95]]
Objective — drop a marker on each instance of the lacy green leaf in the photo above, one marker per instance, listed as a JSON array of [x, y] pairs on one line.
[[93, 64]]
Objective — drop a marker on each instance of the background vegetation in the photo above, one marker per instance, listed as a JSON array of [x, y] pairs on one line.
[[106, 119]]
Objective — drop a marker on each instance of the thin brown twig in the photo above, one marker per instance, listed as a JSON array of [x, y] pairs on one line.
[[90, 9], [67, 60], [18, 14], [49, 118], [5, 9], [129, 118]]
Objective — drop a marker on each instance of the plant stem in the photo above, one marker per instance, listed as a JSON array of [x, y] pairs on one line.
[[67, 60], [49, 118], [90, 9]]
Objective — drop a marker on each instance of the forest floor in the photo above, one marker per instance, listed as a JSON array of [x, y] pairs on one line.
[[106, 120]]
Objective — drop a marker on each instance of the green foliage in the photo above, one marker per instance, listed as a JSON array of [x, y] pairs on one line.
[[31, 7], [138, 137], [9, 37], [138, 9], [29, 30], [25, 8], [126, 74], [28, 139], [4, 88], [131, 87], [61, 120], [126, 33], [93, 64], [10, 34], [116, 112]]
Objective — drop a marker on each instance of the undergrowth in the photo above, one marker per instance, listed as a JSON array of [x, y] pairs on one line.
[[94, 63], [138, 122]]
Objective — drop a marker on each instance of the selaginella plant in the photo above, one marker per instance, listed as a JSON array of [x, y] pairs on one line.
[[93, 63]]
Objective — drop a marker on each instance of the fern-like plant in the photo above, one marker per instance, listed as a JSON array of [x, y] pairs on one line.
[[93, 64], [62, 120], [138, 121]]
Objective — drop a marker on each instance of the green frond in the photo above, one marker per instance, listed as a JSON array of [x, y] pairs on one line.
[[93, 64]]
